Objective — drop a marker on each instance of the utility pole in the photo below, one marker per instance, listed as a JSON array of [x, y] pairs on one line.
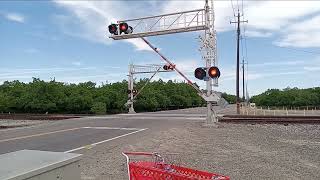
[[243, 93], [238, 61]]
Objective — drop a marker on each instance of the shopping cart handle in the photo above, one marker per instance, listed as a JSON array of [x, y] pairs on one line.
[[139, 153]]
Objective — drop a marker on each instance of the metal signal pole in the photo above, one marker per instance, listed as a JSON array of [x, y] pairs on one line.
[[238, 61]]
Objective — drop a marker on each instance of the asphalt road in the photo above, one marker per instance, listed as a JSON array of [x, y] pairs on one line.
[[74, 134]]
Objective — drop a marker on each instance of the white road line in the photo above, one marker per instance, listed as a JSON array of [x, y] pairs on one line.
[[113, 128], [107, 140], [196, 118], [65, 130]]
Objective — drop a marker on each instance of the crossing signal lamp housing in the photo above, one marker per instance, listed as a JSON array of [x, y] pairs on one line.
[[134, 92], [200, 73], [113, 29], [168, 67], [117, 29], [125, 28], [214, 72], [203, 73]]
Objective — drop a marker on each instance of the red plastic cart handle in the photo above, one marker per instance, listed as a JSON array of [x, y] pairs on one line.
[[139, 153]]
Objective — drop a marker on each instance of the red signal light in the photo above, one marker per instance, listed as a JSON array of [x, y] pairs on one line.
[[214, 72], [124, 27], [168, 67]]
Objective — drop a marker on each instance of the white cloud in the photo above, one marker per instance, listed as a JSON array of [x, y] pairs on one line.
[[89, 19], [266, 18], [139, 44], [64, 74], [15, 17], [76, 63], [302, 34], [187, 65], [274, 15], [223, 11], [312, 68], [252, 33], [278, 63]]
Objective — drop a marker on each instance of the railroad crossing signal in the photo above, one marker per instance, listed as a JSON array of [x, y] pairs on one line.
[[201, 73], [113, 29], [194, 20], [123, 28], [214, 72], [168, 67], [134, 91]]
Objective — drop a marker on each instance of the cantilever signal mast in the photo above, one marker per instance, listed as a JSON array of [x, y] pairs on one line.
[[186, 21]]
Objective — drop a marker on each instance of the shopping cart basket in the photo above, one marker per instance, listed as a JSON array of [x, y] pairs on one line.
[[158, 169]]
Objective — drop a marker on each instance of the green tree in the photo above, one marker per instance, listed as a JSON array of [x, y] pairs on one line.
[[98, 108]]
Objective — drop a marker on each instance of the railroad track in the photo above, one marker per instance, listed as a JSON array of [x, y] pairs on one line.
[[270, 119]]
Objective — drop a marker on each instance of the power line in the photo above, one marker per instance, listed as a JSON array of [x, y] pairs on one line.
[[242, 7], [238, 5], [234, 13]]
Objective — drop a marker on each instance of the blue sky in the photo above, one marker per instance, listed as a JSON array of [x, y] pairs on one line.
[[68, 41]]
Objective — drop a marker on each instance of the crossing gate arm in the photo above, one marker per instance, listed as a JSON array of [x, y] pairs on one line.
[[173, 65]]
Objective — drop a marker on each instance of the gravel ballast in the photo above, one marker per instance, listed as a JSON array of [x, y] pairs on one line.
[[241, 151], [10, 123]]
